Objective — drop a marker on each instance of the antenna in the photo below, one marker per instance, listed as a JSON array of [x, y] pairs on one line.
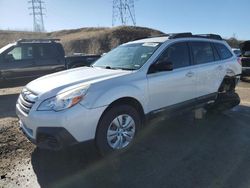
[[123, 11], [37, 7]]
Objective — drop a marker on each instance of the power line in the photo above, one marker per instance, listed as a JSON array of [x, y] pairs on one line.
[[37, 7], [123, 11]]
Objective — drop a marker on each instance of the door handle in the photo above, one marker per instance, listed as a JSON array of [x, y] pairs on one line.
[[190, 74]]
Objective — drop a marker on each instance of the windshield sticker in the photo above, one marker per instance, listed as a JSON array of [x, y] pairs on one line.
[[150, 44]]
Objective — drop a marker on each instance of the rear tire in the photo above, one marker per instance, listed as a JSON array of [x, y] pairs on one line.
[[224, 101], [117, 129]]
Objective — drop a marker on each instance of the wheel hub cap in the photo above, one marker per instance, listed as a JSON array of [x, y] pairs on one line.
[[121, 131]]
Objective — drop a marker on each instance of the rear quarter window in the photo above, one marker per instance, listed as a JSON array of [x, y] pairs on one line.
[[223, 51]]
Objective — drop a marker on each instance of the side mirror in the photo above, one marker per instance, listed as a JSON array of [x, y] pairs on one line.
[[164, 66]]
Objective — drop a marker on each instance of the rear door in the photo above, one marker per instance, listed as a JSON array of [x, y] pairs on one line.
[[18, 62], [49, 58], [207, 67], [172, 87]]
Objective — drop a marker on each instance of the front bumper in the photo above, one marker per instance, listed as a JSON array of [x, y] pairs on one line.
[[54, 138], [56, 130]]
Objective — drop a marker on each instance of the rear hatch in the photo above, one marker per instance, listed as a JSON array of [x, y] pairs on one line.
[[245, 49]]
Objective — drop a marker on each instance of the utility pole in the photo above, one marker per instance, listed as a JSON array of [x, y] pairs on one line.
[[37, 7], [123, 11]]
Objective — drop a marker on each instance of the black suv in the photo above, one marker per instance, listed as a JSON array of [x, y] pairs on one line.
[[31, 58]]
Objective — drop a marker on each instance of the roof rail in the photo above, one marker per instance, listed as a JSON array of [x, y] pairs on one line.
[[179, 35], [36, 40], [188, 35], [209, 36]]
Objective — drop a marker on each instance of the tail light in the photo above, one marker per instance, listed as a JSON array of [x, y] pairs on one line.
[[239, 60]]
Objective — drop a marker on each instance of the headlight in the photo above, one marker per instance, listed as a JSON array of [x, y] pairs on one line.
[[63, 100]]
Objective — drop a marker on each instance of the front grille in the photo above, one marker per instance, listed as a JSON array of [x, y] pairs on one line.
[[26, 100]]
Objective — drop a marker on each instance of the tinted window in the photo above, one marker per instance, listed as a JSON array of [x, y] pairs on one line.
[[202, 52], [20, 53], [178, 54], [46, 51], [247, 54], [223, 51], [216, 55]]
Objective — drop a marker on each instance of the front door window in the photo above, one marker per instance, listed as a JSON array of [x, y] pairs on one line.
[[20, 53]]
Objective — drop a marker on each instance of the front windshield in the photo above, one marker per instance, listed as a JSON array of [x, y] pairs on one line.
[[128, 57], [247, 53], [5, 48]]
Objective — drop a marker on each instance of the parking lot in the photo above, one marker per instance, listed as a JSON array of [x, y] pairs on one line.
[[179, 152]]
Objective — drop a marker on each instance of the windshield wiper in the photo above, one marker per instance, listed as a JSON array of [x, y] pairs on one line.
[[103, 67], [126, 69], [116, 68], [123, 68], [108, 67]]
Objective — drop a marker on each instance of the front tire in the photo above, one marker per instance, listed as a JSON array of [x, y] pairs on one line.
[[117, 129]]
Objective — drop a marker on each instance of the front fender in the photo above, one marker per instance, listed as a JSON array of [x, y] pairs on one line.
[[106, 97]]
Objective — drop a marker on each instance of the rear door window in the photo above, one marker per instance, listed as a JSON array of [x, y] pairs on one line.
[[46, 51], [202, 52], [178, 54], [223, 51]]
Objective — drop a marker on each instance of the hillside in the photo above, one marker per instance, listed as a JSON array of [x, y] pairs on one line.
[[91, 40], [85, 40]]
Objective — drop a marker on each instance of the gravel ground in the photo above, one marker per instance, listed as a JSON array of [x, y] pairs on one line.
[[182, 152]]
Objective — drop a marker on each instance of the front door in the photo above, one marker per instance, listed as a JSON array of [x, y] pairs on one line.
[[172, 87], [18, 62]]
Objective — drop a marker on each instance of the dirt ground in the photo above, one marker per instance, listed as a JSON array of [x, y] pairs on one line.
[[212, 152]]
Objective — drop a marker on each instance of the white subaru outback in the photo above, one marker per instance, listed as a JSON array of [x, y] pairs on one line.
[[109, 101]]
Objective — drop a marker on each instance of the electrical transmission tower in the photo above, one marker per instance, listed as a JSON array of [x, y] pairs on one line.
[[37, 7], [123, 11]]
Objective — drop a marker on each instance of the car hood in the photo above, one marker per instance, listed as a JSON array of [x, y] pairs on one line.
[[56, 82]]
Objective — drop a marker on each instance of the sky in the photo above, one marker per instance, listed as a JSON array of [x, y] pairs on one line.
[[225, 17]]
